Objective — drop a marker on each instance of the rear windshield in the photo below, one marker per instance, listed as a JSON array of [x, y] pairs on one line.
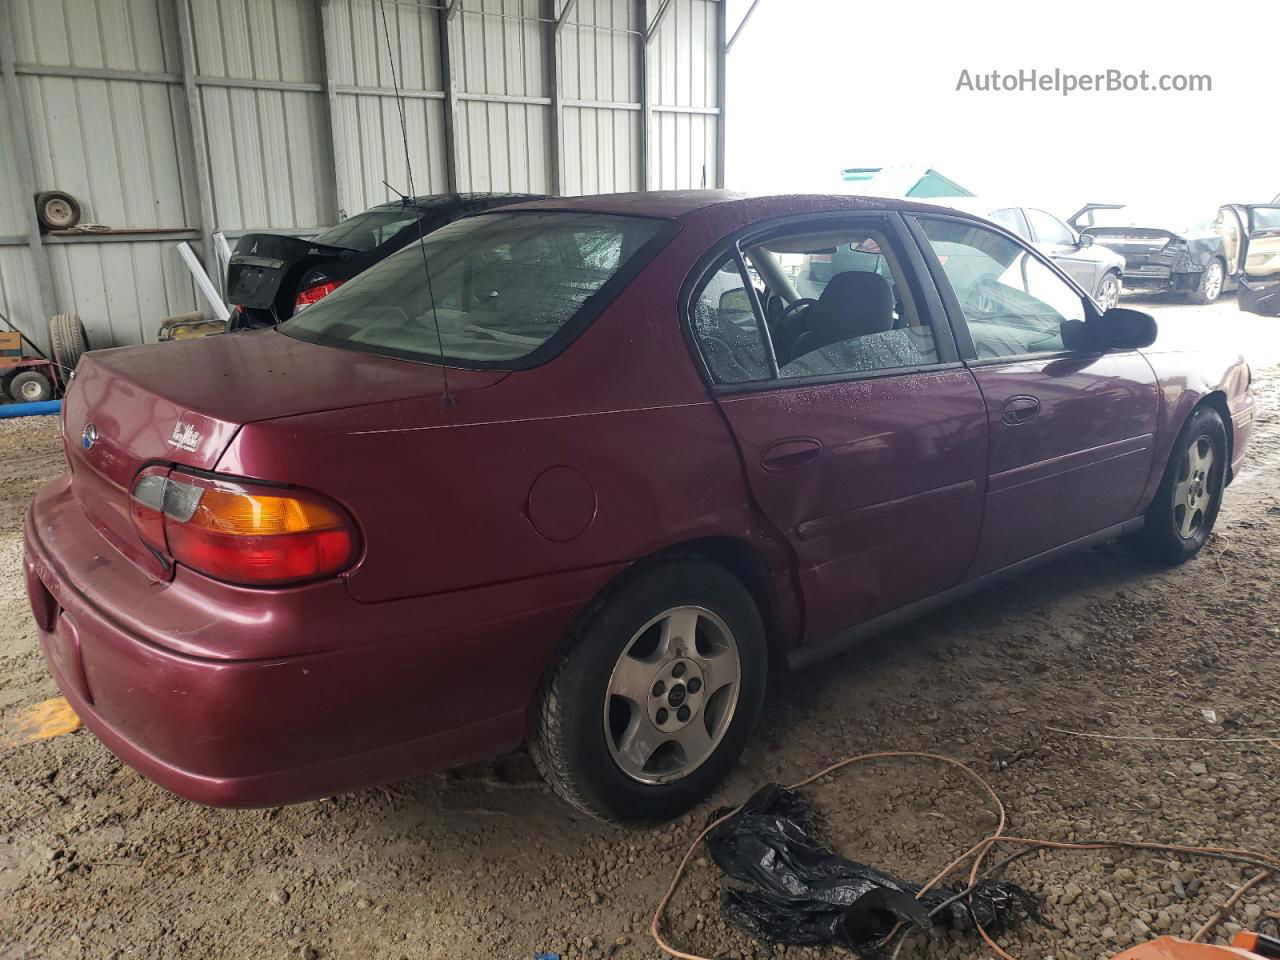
[[502, 286], [367, 231]]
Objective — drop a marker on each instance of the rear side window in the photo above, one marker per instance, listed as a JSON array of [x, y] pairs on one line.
[[1048, 228], [725, 324], [1011, 219], [501, 287], [833, 302]]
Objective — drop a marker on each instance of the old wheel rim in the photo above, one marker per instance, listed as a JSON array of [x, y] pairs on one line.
[[31, 391], [58, 212], [672, 695], [1213, 281], [1194, 491]]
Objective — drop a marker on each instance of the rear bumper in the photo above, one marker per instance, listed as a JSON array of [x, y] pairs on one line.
[[244, 731], [1159, 279]]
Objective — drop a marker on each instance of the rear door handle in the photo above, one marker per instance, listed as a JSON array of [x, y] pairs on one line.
[[791, 454], [1019, 410]]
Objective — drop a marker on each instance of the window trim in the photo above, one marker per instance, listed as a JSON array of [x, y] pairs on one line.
[[891, 223], [959, 323]]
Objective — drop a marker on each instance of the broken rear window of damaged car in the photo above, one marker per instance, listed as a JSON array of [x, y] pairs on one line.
[[495, 290]]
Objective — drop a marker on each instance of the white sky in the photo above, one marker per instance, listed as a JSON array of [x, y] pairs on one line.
[[816, 86]]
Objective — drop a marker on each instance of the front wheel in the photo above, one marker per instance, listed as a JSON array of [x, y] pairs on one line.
[[1181, 516], [654, 699], [1109, 292], [1211, 280]]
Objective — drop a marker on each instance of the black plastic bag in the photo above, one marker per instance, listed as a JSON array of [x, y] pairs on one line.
[[801, 892]]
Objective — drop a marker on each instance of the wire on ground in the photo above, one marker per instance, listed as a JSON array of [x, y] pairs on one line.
[[977, 854]]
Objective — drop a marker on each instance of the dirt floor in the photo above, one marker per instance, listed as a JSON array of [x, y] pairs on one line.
[[96, 862]]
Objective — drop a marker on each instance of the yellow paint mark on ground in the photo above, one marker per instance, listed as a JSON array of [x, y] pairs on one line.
[[52, 718]]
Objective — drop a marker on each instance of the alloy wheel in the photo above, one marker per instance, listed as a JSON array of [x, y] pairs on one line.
[[1193, 491], [1109, 295], [1213, 281], [672, 695]]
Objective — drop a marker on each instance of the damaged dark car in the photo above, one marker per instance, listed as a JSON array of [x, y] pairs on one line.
[[272, 276], [1164, 252]]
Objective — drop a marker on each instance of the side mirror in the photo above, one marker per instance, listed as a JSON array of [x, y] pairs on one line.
[[735, 301], [1123, 329], [1085, 240]]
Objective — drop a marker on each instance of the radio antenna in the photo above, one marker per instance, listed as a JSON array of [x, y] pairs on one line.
[[403, 198], [446, 398]]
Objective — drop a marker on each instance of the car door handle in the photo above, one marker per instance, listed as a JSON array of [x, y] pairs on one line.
[[1019, 410], [791, 454]]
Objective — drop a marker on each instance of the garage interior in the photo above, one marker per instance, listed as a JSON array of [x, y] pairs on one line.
[[1099, 697], [172, 121]]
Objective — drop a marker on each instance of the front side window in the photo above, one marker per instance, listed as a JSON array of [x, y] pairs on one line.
[[500, 287], [1048, 228], [1013, 304]]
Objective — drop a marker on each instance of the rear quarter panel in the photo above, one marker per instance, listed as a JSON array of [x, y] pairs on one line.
[[1188, 378]]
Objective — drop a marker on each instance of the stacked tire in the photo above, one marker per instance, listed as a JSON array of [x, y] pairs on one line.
[[69, 339]]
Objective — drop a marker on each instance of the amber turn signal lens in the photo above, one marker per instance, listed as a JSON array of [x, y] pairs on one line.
[[246, 533]]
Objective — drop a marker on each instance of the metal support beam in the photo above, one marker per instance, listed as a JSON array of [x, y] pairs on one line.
[[20, 138], [552, 40], [737, 33], [722, 57], [651, 30], [95, 73], [195, 117], [444, 24], [646, 98], [564, 14], [336, 145]]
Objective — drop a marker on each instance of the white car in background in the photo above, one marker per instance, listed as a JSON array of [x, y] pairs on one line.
[[1097, 269]]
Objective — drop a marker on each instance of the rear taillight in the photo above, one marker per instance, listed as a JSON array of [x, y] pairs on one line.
[[241, 532], [317, 292]]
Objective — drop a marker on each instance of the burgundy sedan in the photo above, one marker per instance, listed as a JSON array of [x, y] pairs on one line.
[[583, 473]]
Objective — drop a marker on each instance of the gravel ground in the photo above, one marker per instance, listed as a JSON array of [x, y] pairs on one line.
[[96, 862]]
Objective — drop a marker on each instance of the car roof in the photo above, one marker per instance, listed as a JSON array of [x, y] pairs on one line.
[[442, 200], [689, 205]]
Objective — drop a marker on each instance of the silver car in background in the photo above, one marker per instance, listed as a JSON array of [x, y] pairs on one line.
[[1097, 269]]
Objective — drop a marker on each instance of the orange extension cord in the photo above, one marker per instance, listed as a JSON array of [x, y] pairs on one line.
[[978, 852]]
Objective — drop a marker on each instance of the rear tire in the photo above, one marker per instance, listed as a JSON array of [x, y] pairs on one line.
[[1182, 515], [1209, 288], [69, 339], [613, 734], [30, 386]]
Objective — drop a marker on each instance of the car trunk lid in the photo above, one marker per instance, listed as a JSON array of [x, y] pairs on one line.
[[261, 262], [181, 404]]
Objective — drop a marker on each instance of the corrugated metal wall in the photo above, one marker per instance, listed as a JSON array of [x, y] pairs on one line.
[[170, 119]]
